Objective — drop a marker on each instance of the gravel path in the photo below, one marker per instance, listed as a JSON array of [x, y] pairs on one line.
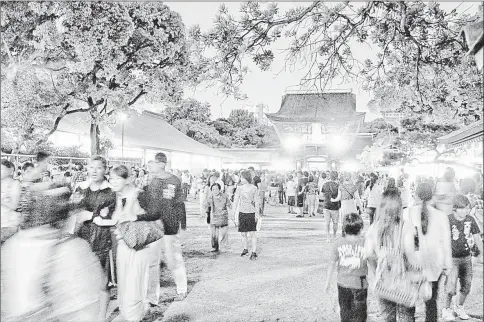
[[284, 284]]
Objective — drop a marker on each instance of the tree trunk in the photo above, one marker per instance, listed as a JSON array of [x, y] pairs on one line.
[[94, 138]]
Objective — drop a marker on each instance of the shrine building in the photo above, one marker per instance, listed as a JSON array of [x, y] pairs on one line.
[[320, 130]]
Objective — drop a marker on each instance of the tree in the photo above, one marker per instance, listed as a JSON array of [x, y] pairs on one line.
[[189, 109], [416, 44], [202, 133], [415, 137], [223, 127], [241, 118], [98, 57]]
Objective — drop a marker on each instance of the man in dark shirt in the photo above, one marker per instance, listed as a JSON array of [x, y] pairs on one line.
[[164, 201], [331, 209]]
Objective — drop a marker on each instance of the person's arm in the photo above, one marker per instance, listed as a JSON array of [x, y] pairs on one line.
[[370, 249], [179, 205], [476, 233], [152, 202], [338, 197], [257, 203], [446, 239], [331, 268]]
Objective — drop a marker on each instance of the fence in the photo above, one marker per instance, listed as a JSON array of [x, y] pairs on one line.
[[18, 159]]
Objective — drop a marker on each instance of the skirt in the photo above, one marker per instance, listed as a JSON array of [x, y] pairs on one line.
[[247, 222], [291, 201], [348, 207], [300, 201]]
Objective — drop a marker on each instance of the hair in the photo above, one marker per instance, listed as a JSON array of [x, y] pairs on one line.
[[67, 174], [216, 185], [425, 193], [460, 202], [311, 179], [290, 177], [352, 224], [246, 175], [468, 185], [306, 174], [333, 175], [391, 184], [251, 168], [101, 159], [9, 165], [27, 165], [389, 218], [400, 183], [161, 157], [449, 174], [121, 171], [41, 156], [323, 175], [81, 167]]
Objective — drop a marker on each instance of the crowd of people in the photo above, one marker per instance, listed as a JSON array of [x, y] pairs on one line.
[[70, 233]]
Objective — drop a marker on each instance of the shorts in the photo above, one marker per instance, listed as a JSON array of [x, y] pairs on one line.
[[247, 222], [300, 201], [331, 215], [462, 271], [291, 201]]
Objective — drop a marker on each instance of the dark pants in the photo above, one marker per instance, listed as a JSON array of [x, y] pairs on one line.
[[352, 304], [393, 312], [371, 212], [281, 197], [431, 313]]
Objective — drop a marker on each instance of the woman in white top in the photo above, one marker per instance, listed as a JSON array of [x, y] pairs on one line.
[[373, 196], [433, 230], [246, 203]]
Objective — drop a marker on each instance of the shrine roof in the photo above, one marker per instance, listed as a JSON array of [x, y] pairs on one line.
[[310, 107]]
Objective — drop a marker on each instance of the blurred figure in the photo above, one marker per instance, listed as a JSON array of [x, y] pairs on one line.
[[468, 187], [46, 275], [219, 204], [373, 195], [446, 191], [10, 199]]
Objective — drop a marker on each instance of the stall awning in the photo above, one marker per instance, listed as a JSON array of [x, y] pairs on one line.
[[468, 134]]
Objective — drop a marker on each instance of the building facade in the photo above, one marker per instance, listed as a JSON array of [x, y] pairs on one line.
[[320, 130]]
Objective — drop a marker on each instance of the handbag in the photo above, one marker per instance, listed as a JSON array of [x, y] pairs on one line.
[[397, 280], [138, 234]]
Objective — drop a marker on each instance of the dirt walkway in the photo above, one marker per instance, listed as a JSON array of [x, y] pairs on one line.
[[284, 284]]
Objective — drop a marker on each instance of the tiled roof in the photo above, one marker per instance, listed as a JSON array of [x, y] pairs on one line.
[[470, 133], [147, 130], [315, 107]]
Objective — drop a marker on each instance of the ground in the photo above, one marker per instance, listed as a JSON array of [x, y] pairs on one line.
[[284, 284]]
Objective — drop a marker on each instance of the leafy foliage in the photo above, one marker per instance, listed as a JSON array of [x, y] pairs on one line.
[[419, 64], [88, 57]]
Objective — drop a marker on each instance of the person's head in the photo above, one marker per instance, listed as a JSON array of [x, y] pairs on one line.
[[462, 206], [119, 178], [311, 179], [245, 177], [467, 186], [424, 193], [42, 159], [389, 217], [391, 184], [352, 224], [7, 169], [97, 168], [159, 164], [142, 173], [347, 176], [79, 167], [323, 175], [216, 188], [449, 174], [135, 173], [306, 174], [27, 167], [333, 175], [290, 177]]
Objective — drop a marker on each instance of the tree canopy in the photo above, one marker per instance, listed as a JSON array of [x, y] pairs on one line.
[[419, 64], [94, 58]]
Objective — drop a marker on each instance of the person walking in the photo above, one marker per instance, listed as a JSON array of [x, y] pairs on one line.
[[173, 217], [347, 194], [312, 197], [331, 209], [219, 203], [373, 196], [246, 203], [433, 232], [291, 190]]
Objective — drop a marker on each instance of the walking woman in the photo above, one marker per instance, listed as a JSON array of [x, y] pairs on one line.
[[93, 196], [312, 197], [373, 195], [10, 200], [246, 202], [219, 204], [132, 265], [347, 193], [433, 231], [383, 240]]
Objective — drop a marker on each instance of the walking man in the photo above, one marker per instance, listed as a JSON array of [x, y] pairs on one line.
[[166, 198], [331, 209]]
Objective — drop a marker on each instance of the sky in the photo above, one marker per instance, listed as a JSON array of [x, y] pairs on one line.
[[269, 87]]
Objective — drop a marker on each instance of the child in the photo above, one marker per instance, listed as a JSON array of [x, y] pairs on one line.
[[464, 235], [291, 187], [349, 256]]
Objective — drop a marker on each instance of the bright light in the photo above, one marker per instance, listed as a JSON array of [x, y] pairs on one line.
[[350, 166], [338, 143], [291, 142], [123, 117], [282, 164]]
